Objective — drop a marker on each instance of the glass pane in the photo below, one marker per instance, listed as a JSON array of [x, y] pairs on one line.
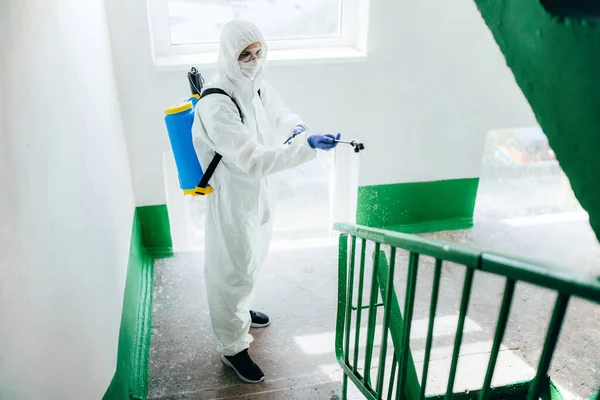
[[201, 21], [521, 177]]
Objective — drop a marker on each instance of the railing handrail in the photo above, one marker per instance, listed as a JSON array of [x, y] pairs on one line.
[[567, 281]]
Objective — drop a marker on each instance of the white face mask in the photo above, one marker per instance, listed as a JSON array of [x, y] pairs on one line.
[[251, 68]]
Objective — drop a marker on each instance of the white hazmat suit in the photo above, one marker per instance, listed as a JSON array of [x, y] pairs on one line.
[[239, 218]]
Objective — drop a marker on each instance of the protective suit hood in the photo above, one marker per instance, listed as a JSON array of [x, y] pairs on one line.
[[235, 37]]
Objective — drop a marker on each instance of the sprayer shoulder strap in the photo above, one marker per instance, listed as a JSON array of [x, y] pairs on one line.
[[217, 158], [208, 92]]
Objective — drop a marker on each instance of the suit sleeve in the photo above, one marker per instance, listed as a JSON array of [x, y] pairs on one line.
[[228, 136]]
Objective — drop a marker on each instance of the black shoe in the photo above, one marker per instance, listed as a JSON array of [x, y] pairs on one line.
[[259, 320], [244, 367]]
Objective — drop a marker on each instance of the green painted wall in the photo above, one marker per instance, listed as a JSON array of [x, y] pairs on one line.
[[556, 62], [131, 377], [418, 206], [156, 230]]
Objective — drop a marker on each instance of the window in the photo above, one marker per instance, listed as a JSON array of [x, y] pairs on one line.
[[193, 27], [521, 178]]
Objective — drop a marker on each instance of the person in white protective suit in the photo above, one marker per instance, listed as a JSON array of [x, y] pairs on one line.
[[255, 143]]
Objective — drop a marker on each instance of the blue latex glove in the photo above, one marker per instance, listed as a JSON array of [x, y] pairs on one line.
[[323, 142]]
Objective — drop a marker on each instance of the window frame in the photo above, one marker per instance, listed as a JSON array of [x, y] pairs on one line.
[[352, 35]]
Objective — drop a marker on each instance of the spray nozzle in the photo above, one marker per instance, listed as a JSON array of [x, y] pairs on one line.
[[356, 145]]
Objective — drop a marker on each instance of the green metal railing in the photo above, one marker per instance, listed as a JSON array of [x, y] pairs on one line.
[[402, 382]]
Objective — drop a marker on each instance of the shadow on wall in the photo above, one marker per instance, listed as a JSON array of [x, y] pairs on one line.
[[573, 8]]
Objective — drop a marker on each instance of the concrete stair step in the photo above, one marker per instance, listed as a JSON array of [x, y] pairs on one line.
[[301, 388]]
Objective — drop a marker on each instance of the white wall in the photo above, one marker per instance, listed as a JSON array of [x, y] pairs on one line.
[[451, 87], [434, 84], [66, 203]]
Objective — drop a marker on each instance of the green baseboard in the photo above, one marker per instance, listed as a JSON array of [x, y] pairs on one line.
[[156, 229], [131, 376], [144, 334], [418, 206]]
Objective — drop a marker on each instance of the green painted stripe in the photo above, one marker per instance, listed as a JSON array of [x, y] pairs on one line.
[[156, 229], [554, 392], [418, 206], [144, 334], [150, 238], [131, 376]]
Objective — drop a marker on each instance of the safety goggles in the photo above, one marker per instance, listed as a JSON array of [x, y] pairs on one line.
[[248, 55]]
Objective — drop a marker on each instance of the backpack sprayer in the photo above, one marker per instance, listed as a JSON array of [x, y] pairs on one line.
[[179, 119]]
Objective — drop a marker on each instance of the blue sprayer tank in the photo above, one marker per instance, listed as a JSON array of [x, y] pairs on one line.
[[179, 120]]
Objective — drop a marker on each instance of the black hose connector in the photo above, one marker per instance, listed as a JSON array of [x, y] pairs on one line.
[[357, 146], [196, 81]]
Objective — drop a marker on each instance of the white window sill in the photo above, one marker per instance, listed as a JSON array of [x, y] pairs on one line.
[[275, 58]]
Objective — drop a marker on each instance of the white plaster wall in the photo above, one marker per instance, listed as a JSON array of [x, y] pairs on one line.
[[66, 201], [434, 83], [442, 85]]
